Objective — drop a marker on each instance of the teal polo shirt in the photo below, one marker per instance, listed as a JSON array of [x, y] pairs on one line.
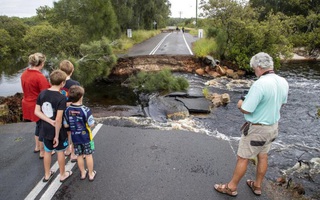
[[265, 98]]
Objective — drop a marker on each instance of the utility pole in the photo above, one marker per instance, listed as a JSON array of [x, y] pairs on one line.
[[180, 12], [196, 12]]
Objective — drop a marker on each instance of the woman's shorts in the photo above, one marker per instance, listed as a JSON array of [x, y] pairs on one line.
[[258, 140], [48, 145], [84, 149]]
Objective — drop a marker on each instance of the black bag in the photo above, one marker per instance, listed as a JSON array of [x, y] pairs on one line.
[[245, 128]]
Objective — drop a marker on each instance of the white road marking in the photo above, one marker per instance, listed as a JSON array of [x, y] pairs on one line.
[[55, 184], [158, 45], [187, 45]]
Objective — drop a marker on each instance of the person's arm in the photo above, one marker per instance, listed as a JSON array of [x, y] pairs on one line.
[[58, 125], [65, 122], [90, 119], [239, 107], [39, 113]]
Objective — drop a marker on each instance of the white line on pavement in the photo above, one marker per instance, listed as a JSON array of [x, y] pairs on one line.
[[55, 184], [158, 45], [187, 45]]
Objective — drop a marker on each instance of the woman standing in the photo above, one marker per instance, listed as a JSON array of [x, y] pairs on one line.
[[33, 82]]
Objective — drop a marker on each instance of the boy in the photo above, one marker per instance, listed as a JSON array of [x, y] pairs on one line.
[[80, 121], [68, 68], [49, 108]]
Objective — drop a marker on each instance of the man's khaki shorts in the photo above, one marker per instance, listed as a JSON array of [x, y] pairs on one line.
[[258, 140]]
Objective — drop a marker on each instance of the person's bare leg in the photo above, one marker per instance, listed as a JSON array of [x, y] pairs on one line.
[[68, 150], [73, 155], [62, 163], [89, 161], [261, 169], [81, 167], [238, 173], [47, 164], [37, 143], [41, 154]]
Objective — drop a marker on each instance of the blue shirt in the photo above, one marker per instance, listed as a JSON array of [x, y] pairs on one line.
[[265, 98], [79, 119]]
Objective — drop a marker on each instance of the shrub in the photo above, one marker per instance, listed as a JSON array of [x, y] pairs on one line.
[[162, 81]]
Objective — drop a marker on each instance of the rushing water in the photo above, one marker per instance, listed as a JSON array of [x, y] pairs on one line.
[[299, 125]]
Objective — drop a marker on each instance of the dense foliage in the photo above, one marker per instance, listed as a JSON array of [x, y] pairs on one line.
[[242, 28], [162, 81], [235, 29], [84, 31]]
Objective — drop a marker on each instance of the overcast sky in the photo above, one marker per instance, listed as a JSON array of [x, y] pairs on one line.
[[27, 8]]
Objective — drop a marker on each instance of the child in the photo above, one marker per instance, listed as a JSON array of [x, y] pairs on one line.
[[49, 108], [68, 68], [80, 121]]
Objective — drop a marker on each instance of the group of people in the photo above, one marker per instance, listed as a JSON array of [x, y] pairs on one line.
[[57, 109], [63, 123]]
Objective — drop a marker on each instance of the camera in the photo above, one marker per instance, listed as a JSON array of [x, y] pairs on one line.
[[243, 96]]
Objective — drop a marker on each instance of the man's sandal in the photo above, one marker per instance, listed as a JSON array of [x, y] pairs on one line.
[[254, 189], [224, 189]]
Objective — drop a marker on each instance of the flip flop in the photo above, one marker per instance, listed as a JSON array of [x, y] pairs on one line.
[[36, 151], [74, 160], [69, 174], [92, 179], [46, 180], [67, 154], [85, 176]]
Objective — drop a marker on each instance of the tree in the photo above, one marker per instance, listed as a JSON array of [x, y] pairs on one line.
[[96, 18], [13, 30], [97, 61], [5, 43], [239, 34]]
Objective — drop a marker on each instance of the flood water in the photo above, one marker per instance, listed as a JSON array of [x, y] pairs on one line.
[[299, 125]]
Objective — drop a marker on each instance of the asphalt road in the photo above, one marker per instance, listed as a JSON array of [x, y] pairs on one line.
[[175, 43], [131, 163]]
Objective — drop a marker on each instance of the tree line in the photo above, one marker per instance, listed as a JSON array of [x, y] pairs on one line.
[[89, 32], [84, 31], [242, 28]]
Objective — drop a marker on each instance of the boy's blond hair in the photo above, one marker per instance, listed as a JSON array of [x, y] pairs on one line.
[[57, 77], [66, 66], [75, 93]]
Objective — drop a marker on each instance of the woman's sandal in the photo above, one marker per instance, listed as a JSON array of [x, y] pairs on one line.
[[224, 189], [254, 189]]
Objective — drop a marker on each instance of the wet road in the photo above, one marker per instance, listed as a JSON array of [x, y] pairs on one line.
[[131, 163], [175, 43]]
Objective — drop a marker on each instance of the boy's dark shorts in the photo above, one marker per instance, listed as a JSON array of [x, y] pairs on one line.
[[84, 149], [37, 132], [48, 145]]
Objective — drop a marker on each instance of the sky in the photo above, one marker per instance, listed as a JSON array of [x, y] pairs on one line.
[[27, 8]]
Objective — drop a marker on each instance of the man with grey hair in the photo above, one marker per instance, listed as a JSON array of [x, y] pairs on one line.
[[261, 109]]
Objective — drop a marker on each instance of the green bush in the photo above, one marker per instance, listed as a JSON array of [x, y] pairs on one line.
[[162, 81]]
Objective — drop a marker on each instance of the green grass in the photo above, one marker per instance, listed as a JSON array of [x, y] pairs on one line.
[[123, 44], [204, 47]]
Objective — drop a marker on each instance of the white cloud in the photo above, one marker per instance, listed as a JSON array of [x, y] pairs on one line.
[[184, 8], [27, 8], [22, 8]]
